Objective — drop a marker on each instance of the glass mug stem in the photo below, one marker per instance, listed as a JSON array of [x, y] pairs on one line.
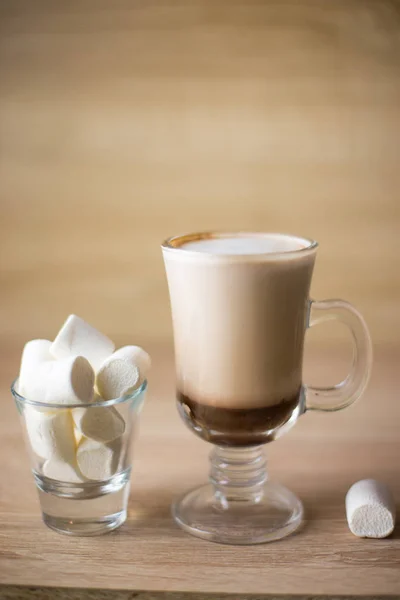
[[346, 392], [237, 474]]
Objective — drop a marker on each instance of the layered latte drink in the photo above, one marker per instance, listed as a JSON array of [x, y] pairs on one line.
[[239, 306]]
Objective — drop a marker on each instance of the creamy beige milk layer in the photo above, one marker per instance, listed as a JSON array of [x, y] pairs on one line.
[[239, 308]]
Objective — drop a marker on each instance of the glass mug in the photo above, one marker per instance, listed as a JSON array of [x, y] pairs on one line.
[[240, 310]]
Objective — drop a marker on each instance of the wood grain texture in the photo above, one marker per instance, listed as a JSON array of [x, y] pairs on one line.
[[319, 459], [124, 122], [31, 593]]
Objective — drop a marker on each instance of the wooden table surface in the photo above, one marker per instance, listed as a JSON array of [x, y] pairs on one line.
[[319, 459]]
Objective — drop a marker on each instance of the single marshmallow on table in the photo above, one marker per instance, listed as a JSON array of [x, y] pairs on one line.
[[370, 509], [54, 468], [122, 372], [51, 434], [98, 461], [78, 338], [100, 423], [66, 381]]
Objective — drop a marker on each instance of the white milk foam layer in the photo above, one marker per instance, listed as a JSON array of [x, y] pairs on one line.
[[247, 245]]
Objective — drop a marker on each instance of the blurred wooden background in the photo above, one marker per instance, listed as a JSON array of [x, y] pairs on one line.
[[124, 122]]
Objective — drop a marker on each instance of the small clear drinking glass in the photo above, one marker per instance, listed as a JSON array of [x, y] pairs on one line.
[[74, 503]]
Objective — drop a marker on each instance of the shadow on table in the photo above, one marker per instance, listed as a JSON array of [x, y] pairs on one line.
[[151, 510]]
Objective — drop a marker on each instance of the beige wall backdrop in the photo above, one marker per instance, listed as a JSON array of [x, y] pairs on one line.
[[124, 122]]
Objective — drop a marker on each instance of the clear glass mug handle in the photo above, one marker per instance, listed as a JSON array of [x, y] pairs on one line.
[[350, 389]]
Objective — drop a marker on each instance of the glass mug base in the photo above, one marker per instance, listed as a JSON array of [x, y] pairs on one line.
[[239, 505], [276, 514]]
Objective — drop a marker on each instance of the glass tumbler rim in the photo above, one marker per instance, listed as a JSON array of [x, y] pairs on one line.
[[135, 395]]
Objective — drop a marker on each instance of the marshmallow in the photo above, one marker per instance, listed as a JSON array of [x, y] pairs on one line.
[[66, 381], [98, 461], [54, 468], [136, 356], [370, 509], [122, 372], [35, 353], [51, 434], [78, 436], [78, 338], [100, 423]]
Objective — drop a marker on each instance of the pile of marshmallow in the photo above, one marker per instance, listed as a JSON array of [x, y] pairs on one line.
[[81, 366]]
